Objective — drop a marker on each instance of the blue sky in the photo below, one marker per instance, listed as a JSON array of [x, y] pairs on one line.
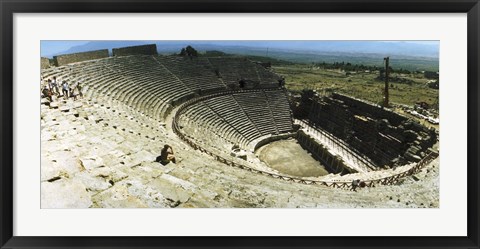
[[53, 47], [49, 48]]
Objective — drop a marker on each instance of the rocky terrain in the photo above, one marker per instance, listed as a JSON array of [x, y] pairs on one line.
[[101, 154]]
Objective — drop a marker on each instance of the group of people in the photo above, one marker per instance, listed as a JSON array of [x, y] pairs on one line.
[[52, 88]]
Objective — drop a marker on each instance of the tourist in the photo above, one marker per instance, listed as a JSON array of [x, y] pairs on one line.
[[79, 88], [166, 155], [74, 93], [55, 85], [355, 184], [47, 93], [65, 89], [49, 84]]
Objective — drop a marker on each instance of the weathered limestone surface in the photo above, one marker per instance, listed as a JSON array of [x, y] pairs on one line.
[[44, 63], [77, 57], [65, 193], [149, 49], [94, 160]]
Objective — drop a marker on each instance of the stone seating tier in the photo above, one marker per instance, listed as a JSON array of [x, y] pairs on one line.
[[154, 84], [239, 118], [234, 69]]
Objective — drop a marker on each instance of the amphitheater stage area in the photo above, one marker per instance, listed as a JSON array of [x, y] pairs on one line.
[[288, 157]]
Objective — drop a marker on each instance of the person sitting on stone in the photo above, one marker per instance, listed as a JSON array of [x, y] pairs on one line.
[[47, 93], [166, 155]]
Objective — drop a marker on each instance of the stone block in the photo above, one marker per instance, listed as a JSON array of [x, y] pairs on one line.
[[77, 104], [64, 108], [64, 59], [108, 174], [179, 182], [54, 105], [64, 193], [58, 163], [118, 196], [92, 183], [171, 191], [137, 158], [92, 162], [111, 160]]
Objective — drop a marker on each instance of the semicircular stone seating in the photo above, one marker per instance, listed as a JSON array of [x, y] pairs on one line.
[[154, 84], [237, 119], [145, 88], [234, 69]]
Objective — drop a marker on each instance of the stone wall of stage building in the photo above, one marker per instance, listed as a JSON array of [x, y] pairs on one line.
[[44, 63], [375, 111], [64, 59], [150, 49], [385, 137], [333, 163]]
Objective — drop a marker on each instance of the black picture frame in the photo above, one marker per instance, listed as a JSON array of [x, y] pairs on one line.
[[9, 7]]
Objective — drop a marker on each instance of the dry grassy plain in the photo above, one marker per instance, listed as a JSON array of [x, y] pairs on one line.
[[361, 85]]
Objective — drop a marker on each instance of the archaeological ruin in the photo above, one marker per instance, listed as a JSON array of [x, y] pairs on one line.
[[237, 139], [65, 59]]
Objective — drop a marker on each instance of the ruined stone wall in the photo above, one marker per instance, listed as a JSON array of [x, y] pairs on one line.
[[333, 163], [44, 63], [333, 116], [64, 59], [385, 137], [363, 108], [272, 139], [150, 49]]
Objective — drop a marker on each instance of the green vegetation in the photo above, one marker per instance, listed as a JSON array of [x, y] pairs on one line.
[[361, 84], [263, 59], [189, 51], [407, 63], [347, 66], [213, 53]]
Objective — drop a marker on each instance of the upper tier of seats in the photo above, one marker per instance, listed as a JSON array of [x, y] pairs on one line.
[[238, 118], [154, 84], [234, 69]]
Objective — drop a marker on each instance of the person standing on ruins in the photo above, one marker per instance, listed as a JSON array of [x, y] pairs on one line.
[[355, 184], [79, 88], [55, 85], [65, 89], [74, 93], [49, 84]]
